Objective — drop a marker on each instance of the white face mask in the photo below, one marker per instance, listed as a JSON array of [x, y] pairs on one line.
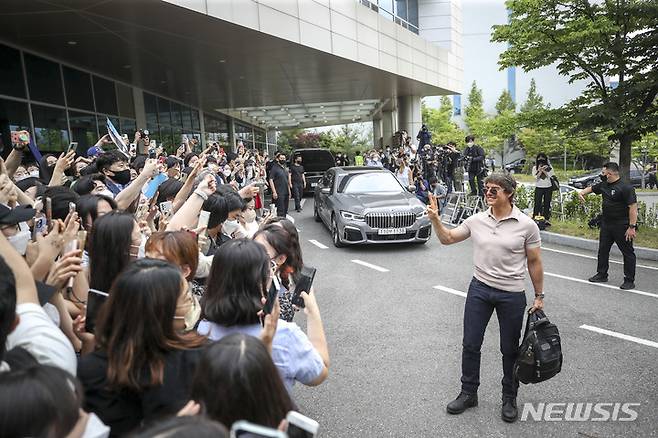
[[34, 174], [230, 227], [141, 249], [19, 241], [22, 177]]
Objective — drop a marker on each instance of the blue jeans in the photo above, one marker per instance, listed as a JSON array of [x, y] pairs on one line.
[[510, 310]]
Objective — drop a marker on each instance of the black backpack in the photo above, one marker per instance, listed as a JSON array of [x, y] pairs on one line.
[[540, 353]]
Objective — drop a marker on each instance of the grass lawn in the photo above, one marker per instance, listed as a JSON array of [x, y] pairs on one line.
[[646, 237]]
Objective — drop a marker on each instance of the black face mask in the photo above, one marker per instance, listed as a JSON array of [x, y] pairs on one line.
[[282, 162], [122, 177], [604, 178]]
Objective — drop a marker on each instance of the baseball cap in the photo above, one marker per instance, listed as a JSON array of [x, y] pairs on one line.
[[9, 216], [94, 151]]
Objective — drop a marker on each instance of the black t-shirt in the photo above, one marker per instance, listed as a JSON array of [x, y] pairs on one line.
[[124, 410], [279, 177], [297, 172], [617, 196]]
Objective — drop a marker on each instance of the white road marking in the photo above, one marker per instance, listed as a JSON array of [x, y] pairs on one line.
[[620, 335], [594, 258], [303, 201], [609, 286], [290, 218], [370, 265], [318, 244], [451, 291]]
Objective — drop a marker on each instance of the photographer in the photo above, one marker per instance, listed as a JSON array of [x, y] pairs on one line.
[[474, 156], [618, 223], [424, 137], [542, 171], [449, 162]]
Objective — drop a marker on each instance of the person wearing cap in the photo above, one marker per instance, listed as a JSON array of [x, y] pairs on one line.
[[14, 227]]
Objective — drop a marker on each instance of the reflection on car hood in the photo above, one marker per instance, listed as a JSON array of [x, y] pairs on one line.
[[358, 203]]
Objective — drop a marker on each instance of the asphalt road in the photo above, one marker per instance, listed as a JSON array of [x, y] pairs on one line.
[[395, 343]]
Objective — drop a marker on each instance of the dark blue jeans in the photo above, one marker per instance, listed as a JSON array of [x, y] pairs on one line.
[[510, 310]]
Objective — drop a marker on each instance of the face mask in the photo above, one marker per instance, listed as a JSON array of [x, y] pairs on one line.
[[141, 249], [249, 216], [604, 178], [19, 241], [122, 177], [34, 174], [230, 226]]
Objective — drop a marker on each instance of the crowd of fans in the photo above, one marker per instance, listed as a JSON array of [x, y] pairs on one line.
[[133, 295]]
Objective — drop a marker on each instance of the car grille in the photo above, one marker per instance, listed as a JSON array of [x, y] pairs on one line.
[[400, 219], [406, 236]]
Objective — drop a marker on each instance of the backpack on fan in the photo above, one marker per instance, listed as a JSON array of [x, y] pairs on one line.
[[540, 353]]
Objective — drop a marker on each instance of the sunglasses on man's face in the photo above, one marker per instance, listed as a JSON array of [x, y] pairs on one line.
[[492, 190]]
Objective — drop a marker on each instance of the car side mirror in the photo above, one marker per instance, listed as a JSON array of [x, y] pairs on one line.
[[326, 190]]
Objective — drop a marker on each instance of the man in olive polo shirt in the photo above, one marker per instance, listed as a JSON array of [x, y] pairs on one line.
[[618, 223], [504, 241]]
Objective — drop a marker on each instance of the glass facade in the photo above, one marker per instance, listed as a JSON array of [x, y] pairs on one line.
[[59, 104], [402, 12]]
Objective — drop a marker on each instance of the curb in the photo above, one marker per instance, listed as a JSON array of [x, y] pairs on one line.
[[593, 245]]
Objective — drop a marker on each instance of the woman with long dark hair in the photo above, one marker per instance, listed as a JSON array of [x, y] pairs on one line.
[[237, 380], [239, 278], [142, 367], [281, 242], [115, 240], [542, 171]]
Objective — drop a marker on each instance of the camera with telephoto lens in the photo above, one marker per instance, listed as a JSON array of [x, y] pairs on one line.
[[144, 133]]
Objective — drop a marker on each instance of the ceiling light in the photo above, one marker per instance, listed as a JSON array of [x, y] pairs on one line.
[[163, 82], [321, 106], [71, 43], [222, 61], [127, 66], [360, 104]]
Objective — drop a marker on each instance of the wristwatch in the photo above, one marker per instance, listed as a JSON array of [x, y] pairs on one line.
[[634, 226], [540, 296]]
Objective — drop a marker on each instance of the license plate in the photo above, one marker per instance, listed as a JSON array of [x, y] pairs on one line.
[[389, 231], [314, 184]]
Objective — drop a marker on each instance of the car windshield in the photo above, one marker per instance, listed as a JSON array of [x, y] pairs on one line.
[[374, 182]]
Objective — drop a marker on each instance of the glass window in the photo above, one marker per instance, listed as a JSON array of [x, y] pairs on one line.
[[196, 124], [386, 8], [401, 9], [164, 112], [216, 129], [244, 133], [375, 182], [129, 126], [78, 89], [176, 116], [412, 13], [126, 101], [44, 80], [83, 129], [52, 134], [151, 110], [11, 72], [13, 117], [187, 117], [105, 95]]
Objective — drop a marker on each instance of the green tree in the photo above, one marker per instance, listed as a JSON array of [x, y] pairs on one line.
[[505, 103], [592, 41], [534, 102], [439, 122], [474, 114]]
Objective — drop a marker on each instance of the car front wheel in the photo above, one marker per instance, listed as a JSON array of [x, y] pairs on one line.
[[316, 214], [335, 234]]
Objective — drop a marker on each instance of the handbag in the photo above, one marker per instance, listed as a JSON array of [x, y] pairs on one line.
[[540, 353], [555, 183]]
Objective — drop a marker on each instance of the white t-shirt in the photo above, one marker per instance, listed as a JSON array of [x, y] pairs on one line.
[[37, 334]]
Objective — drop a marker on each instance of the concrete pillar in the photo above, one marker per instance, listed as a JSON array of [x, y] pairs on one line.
[[409, 115], [271, 136], [377, 132], [389, 125], [231, 133]]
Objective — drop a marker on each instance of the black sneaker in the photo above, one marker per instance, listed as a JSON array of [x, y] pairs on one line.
[[599, 278], [627, 285], [508, 412], [462, 402]]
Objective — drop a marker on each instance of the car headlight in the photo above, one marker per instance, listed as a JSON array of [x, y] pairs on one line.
[[352, 216], [422, 214]]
